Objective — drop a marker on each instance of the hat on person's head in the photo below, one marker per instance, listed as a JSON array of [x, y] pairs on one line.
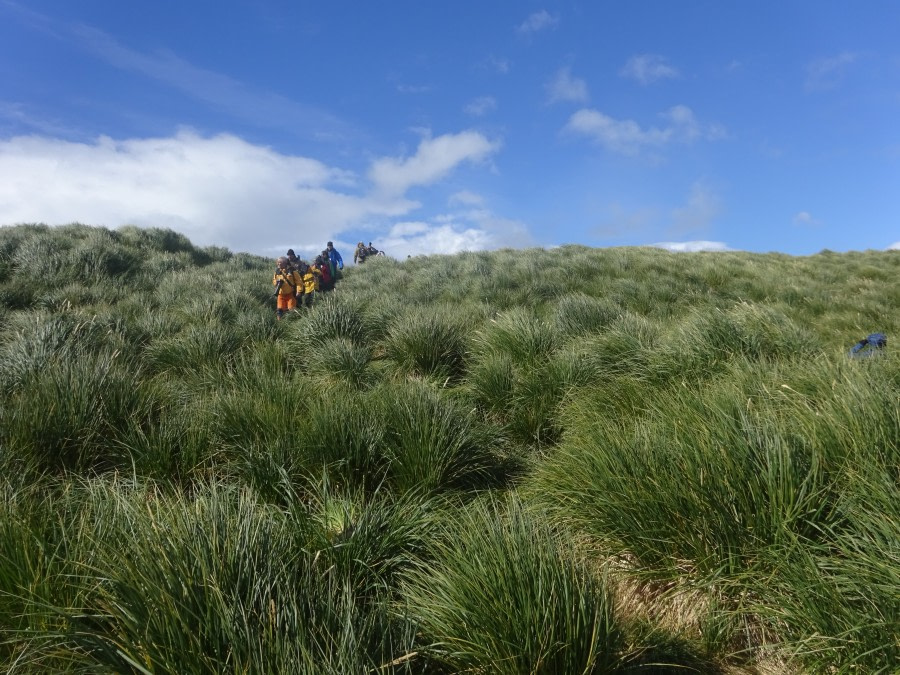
[[330, 244], [291, 251]]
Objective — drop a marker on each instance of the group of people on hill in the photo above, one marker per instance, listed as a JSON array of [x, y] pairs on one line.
[[362, 252], [296, 282]]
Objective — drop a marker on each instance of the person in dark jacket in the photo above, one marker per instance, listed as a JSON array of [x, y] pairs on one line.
[[326, 283]]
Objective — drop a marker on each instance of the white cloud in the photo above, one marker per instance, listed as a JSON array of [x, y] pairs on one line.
[[894, 247], [466, 198], [702, 208], [470, 230], [627, 136], [692, 246], [536, 22], [481, 106], [216, 190], [827, 73], [406, 239], [434, 159], [648, 68], [564, 87], [409, 229], [805, 218]]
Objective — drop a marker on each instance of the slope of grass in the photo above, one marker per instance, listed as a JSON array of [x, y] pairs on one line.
[[567, 460]]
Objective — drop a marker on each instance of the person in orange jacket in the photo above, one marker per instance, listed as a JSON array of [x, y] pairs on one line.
[[288, 286]]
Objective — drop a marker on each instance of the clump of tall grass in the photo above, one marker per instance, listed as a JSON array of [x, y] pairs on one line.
[[579, 314], [405, 436], [36, 577], [177, 584], [331, 432], [434, 443], [704, 479], [624, 349], [497, 560], [155, 239], [332, 318], [491, 382], [68, 416], [521, 372], [514, 378], [519, 335], [429, 342], [43, 344], [705, 341], [772, 485], [198, 345], [341, 359], [100, 257]]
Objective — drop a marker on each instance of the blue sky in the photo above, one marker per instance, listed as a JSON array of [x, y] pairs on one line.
[[434, 127]]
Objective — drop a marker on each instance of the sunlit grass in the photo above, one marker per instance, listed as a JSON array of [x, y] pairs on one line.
[[563, 460]]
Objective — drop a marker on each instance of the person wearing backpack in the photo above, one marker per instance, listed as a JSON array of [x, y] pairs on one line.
[[359, 255], [288, 286], [327, 281], [292, 258]]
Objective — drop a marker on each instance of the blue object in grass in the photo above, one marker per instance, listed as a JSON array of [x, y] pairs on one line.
[[869, 345]]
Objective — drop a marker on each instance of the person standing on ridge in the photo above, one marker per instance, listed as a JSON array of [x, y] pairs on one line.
[[359, 255]]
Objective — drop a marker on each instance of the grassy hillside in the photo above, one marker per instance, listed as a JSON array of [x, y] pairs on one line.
[[566, 461]]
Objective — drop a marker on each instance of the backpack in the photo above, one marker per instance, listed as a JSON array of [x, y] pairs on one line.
[[868, 346]]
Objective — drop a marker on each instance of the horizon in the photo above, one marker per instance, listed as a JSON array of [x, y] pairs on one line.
[[264, 126]]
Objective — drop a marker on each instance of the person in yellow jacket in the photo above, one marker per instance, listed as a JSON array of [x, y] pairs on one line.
[[288, 286], [310, 276]]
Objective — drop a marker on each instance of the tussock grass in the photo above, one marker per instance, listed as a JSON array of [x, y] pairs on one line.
[[580, 314], [195, 347], [331, 318], [341, 359], [747, 485], [519, 335], [706, 340], [67, 417], [433, 442], [661, 462], [429, 343], [497, 560]]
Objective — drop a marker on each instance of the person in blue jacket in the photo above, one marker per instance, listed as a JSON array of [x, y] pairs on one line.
[[334, 259]]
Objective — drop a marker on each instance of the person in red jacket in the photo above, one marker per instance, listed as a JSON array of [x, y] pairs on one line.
[[326, 282]]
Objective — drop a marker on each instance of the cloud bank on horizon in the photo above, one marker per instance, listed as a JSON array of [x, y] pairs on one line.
[[226, 189], [540, 128]]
